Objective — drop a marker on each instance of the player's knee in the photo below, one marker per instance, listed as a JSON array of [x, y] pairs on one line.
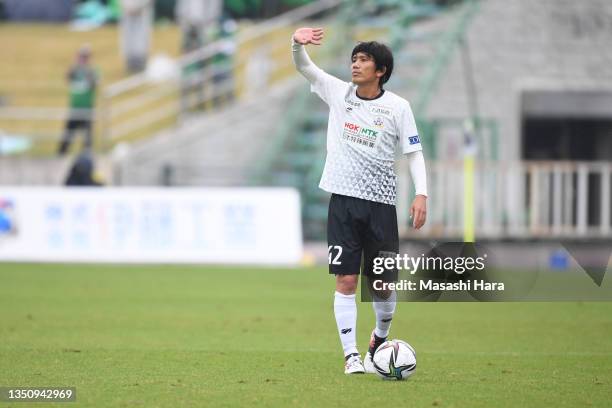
[[346, 284]]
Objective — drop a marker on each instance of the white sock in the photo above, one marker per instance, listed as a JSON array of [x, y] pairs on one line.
[[384, 308], [345, 310]]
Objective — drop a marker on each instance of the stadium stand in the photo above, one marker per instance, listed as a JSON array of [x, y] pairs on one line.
[[492, 71]]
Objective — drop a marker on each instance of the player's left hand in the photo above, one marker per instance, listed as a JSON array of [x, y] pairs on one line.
[[418, 211]]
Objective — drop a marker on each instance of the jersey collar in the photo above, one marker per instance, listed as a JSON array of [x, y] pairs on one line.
[[380, 94]]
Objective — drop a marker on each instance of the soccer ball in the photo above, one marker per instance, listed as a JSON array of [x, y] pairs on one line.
[[395, 359]]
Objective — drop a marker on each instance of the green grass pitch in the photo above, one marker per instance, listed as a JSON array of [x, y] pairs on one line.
[[174, 336]]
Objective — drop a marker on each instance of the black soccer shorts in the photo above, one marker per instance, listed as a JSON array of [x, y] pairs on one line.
[[78, 123], [359, 228]]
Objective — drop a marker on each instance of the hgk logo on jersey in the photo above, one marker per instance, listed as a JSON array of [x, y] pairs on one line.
[[352, 127], [359, 135], [356, 129], [414, 140]]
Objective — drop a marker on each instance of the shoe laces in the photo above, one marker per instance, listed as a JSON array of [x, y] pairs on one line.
[[354, 360]]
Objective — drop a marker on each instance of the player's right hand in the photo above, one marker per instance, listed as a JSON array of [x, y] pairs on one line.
[[308, 35]]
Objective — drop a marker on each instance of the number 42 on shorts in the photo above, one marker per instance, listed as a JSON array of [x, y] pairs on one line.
[[331, 259]]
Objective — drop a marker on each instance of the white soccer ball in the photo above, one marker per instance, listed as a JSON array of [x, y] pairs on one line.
[[395, 359]]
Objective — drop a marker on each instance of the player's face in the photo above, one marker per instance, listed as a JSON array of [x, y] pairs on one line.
[[363, 69]]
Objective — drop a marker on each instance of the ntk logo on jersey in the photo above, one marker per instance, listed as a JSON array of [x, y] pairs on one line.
[[360, 130]]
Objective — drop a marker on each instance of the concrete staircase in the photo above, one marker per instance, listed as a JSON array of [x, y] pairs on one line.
[[219, 148]]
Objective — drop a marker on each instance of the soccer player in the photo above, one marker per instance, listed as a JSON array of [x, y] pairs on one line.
[[366, 123]]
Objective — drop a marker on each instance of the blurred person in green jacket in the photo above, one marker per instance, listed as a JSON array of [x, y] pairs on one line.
[[82, 80]]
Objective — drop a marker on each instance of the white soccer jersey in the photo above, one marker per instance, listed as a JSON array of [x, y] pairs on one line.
[[362, 136]]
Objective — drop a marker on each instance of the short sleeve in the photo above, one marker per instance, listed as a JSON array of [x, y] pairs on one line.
[[407, 130]]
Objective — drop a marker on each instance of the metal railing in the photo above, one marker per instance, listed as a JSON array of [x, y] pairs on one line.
[[528, 199], [513, 200], [141, 105], [137, 104]]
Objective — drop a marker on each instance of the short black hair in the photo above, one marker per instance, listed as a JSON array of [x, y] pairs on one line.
[[380, 53]]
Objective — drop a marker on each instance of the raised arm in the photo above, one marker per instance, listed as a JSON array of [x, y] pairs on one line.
[[302, 61]]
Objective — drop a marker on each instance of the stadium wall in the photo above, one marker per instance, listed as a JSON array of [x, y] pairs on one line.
[[522, 45]]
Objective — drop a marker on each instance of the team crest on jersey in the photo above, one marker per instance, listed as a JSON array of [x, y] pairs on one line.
[[379, 122]]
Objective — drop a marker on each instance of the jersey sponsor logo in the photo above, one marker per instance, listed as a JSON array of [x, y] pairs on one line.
[[353, 128], [381, 110], [359, 135], [379, 122], [414, 140], [353, 103], [350, 104]]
